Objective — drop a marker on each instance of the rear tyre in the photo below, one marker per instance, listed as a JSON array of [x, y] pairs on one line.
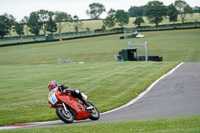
[[66, 117], [94, 115]]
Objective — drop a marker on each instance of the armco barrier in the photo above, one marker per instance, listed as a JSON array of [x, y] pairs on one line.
[[44, 41]]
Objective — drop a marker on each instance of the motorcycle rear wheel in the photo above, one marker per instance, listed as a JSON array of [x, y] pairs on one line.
[[66, 117]]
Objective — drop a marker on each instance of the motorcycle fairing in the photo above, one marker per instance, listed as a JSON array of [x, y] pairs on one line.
[[74, 103]]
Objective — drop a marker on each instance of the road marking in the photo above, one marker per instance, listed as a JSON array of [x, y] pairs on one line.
[[144, 92]]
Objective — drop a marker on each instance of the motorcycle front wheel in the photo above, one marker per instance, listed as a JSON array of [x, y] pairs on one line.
[[66, 117]]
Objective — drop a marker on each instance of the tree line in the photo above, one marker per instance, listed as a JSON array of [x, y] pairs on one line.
[[49, 21], [155, 11]]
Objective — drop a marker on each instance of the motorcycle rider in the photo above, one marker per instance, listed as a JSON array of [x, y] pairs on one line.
[[64, 89]]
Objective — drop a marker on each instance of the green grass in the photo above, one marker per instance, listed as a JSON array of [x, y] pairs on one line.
[[189, 124], [26, 71]]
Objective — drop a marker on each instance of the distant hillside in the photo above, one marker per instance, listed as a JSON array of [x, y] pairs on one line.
[[97, 24]]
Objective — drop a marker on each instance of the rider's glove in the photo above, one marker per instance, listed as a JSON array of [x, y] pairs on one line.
[[68, 90], [65, 91]]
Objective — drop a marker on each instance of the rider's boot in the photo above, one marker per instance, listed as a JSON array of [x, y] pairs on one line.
[[89, 107]]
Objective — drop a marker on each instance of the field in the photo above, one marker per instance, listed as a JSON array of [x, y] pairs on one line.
[[26, 71], [189, 124]]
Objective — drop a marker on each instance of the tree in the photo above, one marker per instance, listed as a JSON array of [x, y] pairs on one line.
[[136, 11], [77, 23], [155, 12], [96, 9], [63, 19], [172, 12], [11, 21], [4, 28], [183, 9], [51, 25], [43, 18], [25, 21], [103, 27], [19, 29], [34, 24], [196, 9], [6, 23], [122, 18], [110, 20], [138, 21]]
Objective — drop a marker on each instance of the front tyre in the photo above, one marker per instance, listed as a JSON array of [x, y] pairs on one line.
[[66, 117], [94, 115]]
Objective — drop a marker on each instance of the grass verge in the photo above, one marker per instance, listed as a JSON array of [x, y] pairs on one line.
[[188, 124]]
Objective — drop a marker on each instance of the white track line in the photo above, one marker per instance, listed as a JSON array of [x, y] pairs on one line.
[[33, 124], [144, 92]]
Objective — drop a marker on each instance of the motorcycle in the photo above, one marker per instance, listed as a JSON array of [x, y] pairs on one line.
[[69, 108]]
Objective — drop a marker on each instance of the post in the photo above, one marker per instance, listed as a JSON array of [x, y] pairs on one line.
[[129, 45], [145, 45], [125, 37], [59, 60]]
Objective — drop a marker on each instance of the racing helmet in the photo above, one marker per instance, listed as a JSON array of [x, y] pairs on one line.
[[52, 85]]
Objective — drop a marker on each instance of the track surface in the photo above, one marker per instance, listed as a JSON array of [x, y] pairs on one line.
[[177, 94]]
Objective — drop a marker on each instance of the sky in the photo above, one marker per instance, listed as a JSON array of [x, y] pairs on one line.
[[21, 8]]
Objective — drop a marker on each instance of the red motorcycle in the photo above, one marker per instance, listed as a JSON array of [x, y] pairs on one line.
[[69, 108]]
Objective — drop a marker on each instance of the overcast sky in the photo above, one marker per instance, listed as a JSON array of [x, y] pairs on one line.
[[21, 8]]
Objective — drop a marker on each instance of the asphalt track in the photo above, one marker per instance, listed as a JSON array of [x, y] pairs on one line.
[[175, 94], [178, 94]]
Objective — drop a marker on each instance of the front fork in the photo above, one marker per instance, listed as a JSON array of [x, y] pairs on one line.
[[70, 110], [65, 107]]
